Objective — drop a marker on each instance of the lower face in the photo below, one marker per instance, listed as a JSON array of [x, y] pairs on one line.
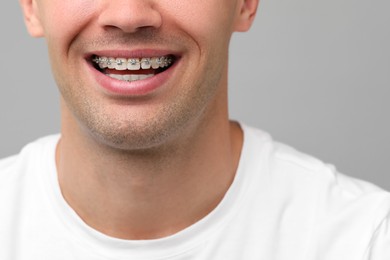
[[141, 89]]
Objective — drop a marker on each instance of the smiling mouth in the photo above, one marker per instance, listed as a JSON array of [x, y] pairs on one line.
[[132, 69]]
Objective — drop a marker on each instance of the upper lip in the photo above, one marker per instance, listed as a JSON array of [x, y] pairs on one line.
[[141, 53]]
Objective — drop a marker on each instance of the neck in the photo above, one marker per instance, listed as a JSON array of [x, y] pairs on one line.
[[148, 194]]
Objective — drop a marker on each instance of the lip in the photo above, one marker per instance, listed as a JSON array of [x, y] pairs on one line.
[[114, 87]]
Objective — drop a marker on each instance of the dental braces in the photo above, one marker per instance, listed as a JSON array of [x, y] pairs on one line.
[[161, 62]]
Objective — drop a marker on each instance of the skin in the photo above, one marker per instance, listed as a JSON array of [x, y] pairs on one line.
[[143, 167]]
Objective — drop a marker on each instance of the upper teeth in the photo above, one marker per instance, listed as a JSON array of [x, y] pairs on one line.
[[133, 63]]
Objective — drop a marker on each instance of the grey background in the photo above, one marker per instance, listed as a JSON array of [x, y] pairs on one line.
[[313, 73]]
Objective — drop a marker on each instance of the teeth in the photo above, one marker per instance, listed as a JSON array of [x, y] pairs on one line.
[[116, 76], [146, 63], [111, 63], [127, 77], [164, 62], [143, 76], [121, 64], [133, 77], [133, 63], [155, 63], [103, 62]]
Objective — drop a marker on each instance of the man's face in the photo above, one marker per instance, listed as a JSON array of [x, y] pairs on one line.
[[135, 73]]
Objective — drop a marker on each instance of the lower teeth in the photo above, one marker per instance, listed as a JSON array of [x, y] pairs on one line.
[[130, 78]]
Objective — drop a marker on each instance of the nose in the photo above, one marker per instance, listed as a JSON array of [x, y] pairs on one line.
[[129, 15]]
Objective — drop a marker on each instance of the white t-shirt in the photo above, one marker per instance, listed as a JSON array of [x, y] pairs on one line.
[[282, 205]]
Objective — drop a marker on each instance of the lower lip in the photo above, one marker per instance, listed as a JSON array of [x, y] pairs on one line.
[[144, 87]]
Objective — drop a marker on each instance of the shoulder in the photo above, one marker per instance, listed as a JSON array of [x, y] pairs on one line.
[[340, 212], [299, 177], [17, 166], [23, 190], [307, 170], [21, 175], [6, 166], [335, 192], [284, 161]]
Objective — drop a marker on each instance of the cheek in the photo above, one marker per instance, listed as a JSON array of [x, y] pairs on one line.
[[64, 20], [203, 20]]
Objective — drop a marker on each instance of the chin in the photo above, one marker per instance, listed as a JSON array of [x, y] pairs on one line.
[[134, 137]]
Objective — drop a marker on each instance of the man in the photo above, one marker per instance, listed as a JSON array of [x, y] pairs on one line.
[[148, 165]]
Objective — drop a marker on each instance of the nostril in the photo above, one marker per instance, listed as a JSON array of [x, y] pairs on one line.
[[129, 16]]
